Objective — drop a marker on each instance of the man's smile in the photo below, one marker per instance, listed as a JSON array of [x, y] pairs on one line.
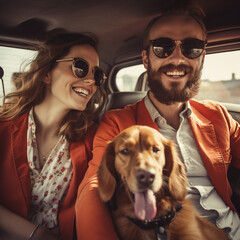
[[176, 73]]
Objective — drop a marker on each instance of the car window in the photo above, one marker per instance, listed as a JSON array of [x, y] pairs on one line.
[[220, 77], [126, 78], [12, 61]]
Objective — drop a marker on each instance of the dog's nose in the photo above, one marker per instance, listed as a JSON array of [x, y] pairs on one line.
[[145, 177]]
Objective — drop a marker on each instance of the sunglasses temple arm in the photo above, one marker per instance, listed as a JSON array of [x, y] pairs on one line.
[[64, 59]]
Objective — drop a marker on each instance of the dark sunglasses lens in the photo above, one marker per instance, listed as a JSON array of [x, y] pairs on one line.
[[163, 47], [80, 68], [192, 48], [99, 77]]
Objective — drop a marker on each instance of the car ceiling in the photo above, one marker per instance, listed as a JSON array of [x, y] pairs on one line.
[[119, 25]]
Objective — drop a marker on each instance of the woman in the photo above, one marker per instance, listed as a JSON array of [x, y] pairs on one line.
[[46, 131]]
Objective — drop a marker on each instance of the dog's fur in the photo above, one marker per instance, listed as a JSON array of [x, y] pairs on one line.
[[141, 150]]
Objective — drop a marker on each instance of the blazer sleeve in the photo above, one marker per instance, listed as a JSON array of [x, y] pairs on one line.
[[93, 220]]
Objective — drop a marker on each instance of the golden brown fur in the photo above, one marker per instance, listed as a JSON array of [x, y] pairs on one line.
[[137, 160]]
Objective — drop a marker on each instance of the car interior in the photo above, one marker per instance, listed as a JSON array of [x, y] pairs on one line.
[[119, 27]]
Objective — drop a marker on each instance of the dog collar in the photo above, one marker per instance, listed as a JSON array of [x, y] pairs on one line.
[[158, 222]]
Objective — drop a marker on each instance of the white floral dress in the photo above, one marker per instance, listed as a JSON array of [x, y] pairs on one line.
[[49, 185]]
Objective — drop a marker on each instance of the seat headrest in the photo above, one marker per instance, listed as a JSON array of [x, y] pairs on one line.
[[118, 100], [121, 99]]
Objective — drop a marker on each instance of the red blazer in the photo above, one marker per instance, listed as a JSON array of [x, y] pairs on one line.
[[218, 139], [15, 186]]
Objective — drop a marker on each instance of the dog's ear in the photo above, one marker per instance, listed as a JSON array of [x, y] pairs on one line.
[[107, 174], [175, 170]]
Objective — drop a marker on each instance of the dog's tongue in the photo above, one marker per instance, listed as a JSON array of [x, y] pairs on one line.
[[145, 205]]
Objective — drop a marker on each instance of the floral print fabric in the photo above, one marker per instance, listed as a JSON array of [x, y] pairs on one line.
[[49, 184]]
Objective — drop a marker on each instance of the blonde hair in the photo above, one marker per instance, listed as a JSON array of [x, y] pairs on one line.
[[31, 90]]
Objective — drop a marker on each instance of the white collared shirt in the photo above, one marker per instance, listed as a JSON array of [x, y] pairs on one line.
[[200, 189]]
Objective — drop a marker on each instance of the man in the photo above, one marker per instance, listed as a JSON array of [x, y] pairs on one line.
[[206, 136]]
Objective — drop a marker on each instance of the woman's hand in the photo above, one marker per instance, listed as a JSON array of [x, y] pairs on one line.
[[13, 226]]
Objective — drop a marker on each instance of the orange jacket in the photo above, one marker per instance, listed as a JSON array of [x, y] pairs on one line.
[[218, 139], [15, 186]]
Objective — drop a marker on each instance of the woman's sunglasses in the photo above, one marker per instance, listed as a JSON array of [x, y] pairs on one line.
[[191, 47], [80, 68]]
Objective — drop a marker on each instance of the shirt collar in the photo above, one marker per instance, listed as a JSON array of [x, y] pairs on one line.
[[31, 122], [151, 108], [186, 112]]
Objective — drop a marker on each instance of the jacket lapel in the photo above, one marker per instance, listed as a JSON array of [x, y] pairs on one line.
[[79, 163], [211, 154], [143, 116], [19, 158], [208, 147]]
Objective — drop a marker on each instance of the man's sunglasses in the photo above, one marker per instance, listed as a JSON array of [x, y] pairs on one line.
[[191, 47], [80, 68]]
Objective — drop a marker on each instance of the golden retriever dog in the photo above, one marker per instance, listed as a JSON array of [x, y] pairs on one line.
[[145, 184]]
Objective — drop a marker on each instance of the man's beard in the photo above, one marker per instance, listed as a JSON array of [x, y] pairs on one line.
[[169, 96]]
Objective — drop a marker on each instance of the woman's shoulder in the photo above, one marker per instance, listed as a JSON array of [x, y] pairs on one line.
[[88, 134], [91, 130], [86, 143], [18, 121]]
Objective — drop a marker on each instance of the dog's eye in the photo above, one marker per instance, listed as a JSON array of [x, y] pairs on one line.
[[125, 151], [155, 149]]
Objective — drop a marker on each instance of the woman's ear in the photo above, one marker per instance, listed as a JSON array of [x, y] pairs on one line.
[[145, 59], [47, 78]]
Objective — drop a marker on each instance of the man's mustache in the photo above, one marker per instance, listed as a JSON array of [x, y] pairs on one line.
[[172, 67]]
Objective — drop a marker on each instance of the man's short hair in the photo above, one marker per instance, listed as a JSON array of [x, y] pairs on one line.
[[188, 8]]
